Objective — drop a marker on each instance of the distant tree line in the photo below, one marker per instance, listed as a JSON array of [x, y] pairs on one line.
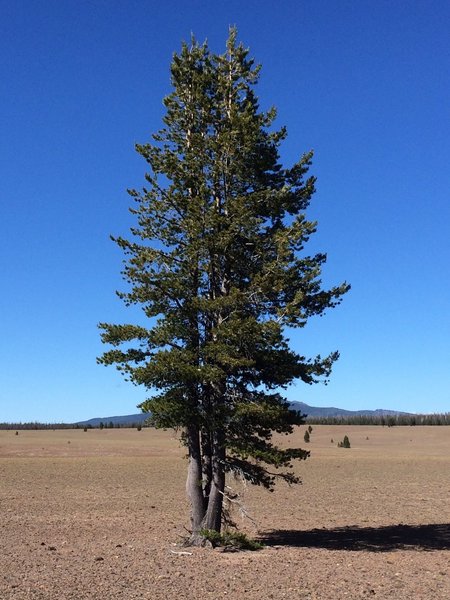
[[35, 426], [51, 426], [383, 420], [111, 425]]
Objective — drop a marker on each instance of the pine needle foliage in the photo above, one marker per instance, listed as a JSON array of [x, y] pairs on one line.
[[216, 260]]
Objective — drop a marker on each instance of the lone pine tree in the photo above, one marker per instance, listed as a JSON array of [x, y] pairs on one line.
[[217, 263]]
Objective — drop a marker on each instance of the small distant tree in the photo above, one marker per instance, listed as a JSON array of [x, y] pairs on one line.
[[217, 262], [345, 443], [310, 428], [306, 437]]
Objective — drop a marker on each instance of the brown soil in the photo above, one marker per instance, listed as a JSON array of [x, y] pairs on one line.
[[97, 515]]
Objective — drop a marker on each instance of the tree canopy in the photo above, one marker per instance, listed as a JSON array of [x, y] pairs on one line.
[[217, 262]]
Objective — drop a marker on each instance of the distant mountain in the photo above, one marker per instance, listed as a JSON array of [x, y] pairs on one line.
[[122, 420], [331, 411], [310, 411]]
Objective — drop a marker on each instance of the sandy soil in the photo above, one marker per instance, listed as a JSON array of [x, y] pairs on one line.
[[96, 515]]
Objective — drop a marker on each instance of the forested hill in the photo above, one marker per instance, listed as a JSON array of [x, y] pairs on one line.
[[123, 420], [331, 411]]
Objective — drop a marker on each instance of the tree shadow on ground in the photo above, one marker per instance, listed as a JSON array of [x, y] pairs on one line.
[[370, 539]]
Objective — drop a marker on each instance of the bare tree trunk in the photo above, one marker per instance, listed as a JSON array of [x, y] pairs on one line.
[[213, 517], [194, 483], [206, 466]]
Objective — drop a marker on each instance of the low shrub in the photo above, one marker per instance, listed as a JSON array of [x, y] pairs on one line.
[[231, 540]]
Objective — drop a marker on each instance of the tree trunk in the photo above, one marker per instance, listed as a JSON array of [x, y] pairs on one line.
[[194, 483], [213, 517], [206, 466]]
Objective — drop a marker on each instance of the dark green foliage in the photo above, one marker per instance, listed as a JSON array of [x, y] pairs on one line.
[[345, 443], [217, 262], [231, 540], [306, 437]]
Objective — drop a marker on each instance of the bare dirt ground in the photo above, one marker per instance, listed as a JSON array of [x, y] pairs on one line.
[[95, 515]]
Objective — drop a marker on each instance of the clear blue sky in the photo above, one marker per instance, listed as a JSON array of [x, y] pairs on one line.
[[365, 83]]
